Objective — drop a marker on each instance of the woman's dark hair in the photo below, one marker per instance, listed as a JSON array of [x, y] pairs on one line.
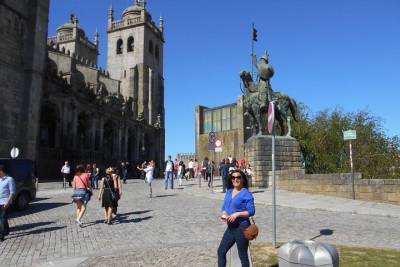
[[244, 179], [79, 169]]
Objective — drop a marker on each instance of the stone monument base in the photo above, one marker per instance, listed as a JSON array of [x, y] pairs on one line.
[[258, 152]]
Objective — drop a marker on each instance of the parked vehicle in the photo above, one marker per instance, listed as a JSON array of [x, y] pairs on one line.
[[23, 172]]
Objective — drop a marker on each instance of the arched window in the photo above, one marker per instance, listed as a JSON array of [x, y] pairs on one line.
[[151, 47], [119, 46], [130, 44], [157, 52]]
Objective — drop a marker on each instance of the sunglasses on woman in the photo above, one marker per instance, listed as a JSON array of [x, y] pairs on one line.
[[233, 177]]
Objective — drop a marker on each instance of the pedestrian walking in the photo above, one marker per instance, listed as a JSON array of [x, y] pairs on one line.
[[209, 170], [176, 165], [117, 188], [224, 174], [237, 207], [191, 168], [142, 174], [88, 171], [204, 165], [196, 168], [149, 170], [181, 172], [169, 169], [66, 172], [107, 194], [95, 176], [82, 192], [7, 194], [124, 170]]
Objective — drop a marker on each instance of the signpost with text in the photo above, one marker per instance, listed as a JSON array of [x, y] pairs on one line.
[[348, 136]]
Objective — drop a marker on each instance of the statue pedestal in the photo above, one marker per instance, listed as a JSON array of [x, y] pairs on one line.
[[258, 150]]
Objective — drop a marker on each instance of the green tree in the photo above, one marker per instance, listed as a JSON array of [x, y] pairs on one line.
[[325, 151]]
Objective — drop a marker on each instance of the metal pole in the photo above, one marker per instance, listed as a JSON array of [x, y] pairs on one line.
[[212, 177], [273, 192], [252, 50], [352, 171]]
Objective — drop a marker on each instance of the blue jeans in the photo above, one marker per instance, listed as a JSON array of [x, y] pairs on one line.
[[169, 179], [124, 176], [231, 236], [95, 181]]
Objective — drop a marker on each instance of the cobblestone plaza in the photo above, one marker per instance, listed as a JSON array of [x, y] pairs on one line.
[[179, 227]]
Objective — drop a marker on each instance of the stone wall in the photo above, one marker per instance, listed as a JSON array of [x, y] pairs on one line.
[[23, 30], [339, 185]]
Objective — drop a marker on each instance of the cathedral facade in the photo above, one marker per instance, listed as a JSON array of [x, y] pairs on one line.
[[86, 114]]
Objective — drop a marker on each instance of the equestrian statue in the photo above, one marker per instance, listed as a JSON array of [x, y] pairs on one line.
[[257, 96]]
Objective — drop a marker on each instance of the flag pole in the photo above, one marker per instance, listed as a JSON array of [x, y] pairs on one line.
[[252, 50]]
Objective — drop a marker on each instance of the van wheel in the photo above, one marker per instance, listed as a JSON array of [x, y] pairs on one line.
[[22, 201]]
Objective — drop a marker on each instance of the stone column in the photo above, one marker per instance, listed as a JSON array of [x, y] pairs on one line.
[[125, 144], [150, 97], [101, 133], [93, 132], [258, 154], [74, 125]]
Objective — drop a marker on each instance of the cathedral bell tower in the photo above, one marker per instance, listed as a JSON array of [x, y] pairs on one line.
[[135, 57]]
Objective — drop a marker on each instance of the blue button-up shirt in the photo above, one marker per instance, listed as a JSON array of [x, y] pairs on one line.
[[242, 201], [7, 187]]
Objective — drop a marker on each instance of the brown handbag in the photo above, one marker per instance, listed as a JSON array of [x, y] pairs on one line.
[[251, 232]]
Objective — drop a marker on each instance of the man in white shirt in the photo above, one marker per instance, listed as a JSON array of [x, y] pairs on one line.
[[191, 170], [169, 170], [65, 171]]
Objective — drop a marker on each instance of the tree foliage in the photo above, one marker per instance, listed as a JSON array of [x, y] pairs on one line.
[[375, 154]]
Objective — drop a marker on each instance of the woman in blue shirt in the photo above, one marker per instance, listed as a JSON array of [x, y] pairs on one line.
[[237, 208]]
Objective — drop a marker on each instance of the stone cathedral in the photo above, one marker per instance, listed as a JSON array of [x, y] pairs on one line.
[[57, 104]]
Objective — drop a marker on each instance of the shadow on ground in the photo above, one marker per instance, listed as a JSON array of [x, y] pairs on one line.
[[37, 207], [171, 195], [37, 231], [28, 226], [323, 232]]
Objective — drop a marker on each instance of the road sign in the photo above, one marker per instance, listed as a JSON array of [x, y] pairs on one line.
[[349, 135], [212, 137], [14, 152], [218, 149], [218, 143], [271, 116]]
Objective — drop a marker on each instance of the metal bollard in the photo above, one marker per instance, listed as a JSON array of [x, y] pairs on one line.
[[298, 253]]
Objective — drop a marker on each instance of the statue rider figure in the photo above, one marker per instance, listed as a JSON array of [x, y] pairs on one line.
[[265, 73]]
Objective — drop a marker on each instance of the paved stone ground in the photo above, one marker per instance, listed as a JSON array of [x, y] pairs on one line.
[[175, 228]]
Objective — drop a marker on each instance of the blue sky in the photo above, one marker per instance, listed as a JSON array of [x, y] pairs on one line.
[[326, 54]]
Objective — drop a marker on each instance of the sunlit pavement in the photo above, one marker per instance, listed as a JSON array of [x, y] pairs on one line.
[[179, 227]]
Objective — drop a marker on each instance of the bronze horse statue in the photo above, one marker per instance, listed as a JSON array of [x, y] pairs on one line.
[[252, 103], [284, 105]]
